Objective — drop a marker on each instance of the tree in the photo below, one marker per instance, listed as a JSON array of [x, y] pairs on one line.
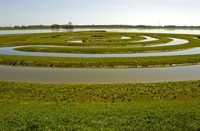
[[70, 26], [55, 26]]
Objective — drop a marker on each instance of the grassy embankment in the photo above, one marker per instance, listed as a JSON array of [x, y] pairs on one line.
[[37, 61], [156, 106]]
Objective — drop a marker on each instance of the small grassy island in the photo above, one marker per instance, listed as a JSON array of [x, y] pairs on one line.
[[126, 106]]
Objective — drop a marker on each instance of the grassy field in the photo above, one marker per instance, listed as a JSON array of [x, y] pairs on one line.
[[90, 38], [156, 106], [150, 106]]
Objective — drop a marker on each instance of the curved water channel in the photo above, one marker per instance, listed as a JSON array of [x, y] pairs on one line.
[[147, 39], [175, 41], [90, 76]]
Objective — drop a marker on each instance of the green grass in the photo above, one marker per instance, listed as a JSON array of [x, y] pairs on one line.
[[90, 38], [154, 106], [159, 61]]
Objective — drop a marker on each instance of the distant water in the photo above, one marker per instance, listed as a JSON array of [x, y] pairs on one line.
[[171, 31]]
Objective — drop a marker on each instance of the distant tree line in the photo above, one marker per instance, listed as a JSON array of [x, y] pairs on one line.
[[70, 26], [32, 26], [133, 26]]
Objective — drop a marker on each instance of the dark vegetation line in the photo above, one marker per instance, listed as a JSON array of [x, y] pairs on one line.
[[97, 26]]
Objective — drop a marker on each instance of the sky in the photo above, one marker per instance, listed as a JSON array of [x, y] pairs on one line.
[[87, 12]]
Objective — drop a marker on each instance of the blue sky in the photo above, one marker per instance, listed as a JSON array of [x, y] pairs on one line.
[[131, 12]]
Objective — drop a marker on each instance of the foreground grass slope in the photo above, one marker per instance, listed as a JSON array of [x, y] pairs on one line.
[[154, 106]]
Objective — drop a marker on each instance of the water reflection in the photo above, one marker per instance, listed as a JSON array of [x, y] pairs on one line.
[[72, 75], [125, 37], [175, 41], [10, 51], [147, 39], [76, 41]]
